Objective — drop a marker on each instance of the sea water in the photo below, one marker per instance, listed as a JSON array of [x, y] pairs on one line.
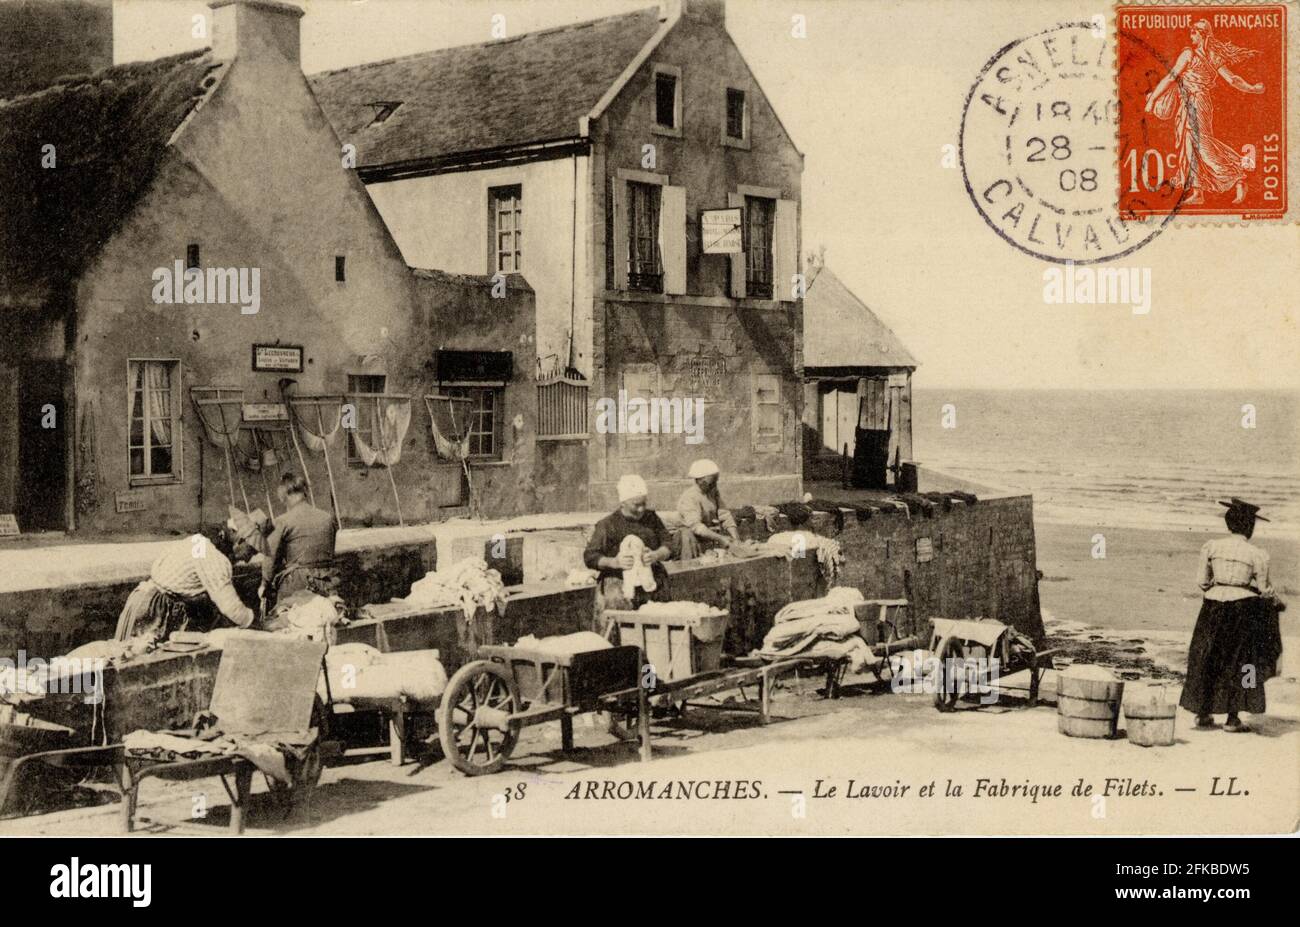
[[1140, 459]]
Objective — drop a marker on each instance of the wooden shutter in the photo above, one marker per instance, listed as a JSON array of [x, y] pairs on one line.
[[785, 250], [765, 409], [737, 260], [640, 381], [618, 190], [672, 238]]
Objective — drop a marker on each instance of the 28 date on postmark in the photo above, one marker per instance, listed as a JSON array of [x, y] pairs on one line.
[[1204, 103], [1038, 148]]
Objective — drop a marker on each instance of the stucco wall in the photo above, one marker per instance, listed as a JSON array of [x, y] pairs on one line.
[[256, 180], [442, 221]]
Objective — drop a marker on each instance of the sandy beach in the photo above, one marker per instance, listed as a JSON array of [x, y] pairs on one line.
[[1146, 580]]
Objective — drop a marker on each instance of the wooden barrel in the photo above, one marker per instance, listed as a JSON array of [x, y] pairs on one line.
[[1150, 722], [1087, 707]]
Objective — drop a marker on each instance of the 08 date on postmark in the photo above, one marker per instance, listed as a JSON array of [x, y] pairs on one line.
[[1204, 103]]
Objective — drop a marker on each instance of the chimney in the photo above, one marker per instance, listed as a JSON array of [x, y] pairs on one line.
[[256, 30], [712, 12]]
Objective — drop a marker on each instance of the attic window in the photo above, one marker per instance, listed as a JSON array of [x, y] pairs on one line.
[[340, 269], [384, 109], [191, 256], [667, 100]]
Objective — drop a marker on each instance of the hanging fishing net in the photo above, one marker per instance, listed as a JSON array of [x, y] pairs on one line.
[[386, 420], [449, 421], [316, 419]]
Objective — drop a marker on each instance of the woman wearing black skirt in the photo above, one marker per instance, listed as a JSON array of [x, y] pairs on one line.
[[1236, 644]]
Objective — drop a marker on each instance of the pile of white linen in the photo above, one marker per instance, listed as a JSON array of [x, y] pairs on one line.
[[821, 627], [468, 583]]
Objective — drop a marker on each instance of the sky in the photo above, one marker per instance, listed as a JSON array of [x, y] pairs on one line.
[[871, 95]]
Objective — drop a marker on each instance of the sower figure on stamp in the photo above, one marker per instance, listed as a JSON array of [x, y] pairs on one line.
[[1237, 644], [1204, 162]]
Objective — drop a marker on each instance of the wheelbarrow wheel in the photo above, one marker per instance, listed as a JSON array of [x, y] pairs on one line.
[[473, 719], [946, 691]]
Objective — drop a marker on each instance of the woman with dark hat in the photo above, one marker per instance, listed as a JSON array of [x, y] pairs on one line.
[[1236, 644]]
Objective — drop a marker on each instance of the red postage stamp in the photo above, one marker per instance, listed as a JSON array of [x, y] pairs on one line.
[[1203, 110]]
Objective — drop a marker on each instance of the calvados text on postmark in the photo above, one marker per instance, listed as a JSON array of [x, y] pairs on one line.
[[1204, 102], [1037, 148]]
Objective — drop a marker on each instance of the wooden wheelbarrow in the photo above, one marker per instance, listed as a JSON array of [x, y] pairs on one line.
[[265, 690], [971, 652]]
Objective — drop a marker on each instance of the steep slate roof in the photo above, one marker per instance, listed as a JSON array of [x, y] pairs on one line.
[[110, 130], [839, 330], [534, 87]]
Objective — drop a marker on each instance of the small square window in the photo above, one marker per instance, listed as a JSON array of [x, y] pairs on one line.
[[666, 100]]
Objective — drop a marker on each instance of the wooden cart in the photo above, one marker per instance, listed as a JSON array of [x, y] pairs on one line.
[[489, 701], [975, 643], [264, 684]]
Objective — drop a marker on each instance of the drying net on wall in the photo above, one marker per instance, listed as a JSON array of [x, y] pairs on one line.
[[382, 421], [220, 412], [449, 421], [316, 420]]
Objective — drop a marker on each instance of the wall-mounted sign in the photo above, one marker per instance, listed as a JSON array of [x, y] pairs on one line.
[[472, 366], [265, 412], [277, 357], [924, 550], [9, 526], [720, 231], [704, 373], [130, 500]]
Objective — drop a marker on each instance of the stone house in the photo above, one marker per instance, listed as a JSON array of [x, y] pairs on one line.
[[632, 168], [218, 170]]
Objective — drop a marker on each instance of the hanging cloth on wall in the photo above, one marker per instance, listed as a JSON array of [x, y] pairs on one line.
[[389, 417]]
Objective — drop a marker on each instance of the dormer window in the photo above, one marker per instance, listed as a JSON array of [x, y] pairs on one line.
[[384, 109]]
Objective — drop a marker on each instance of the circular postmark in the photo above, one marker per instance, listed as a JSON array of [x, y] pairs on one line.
[[1037, 149]]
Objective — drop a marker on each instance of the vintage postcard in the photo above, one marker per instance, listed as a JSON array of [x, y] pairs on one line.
[[711, 417]]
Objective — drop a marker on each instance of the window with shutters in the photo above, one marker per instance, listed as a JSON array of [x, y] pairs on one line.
[[644, 261], [154, 437], [760, 216], [506, 222], [765, 407]]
